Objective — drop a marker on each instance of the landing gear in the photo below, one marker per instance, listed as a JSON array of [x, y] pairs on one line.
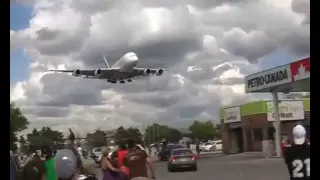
[[122, 82], [129, 80], [112, 81]]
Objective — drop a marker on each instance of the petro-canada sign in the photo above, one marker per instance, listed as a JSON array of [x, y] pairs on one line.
[[270, 78]]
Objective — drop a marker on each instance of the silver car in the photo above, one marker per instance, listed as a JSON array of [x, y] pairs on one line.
[[182, 158]]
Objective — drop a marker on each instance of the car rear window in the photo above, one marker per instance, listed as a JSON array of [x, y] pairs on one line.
[[182, 152]]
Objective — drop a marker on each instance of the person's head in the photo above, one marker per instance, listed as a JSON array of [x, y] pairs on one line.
[[105, 152], [67, 164], [46, 151], [299, 135], [122, 145], [131, 143]]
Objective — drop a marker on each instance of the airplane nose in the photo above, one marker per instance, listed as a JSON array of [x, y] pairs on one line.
[[131, 57]]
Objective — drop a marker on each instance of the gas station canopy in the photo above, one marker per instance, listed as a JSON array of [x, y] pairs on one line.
[[293, 77]]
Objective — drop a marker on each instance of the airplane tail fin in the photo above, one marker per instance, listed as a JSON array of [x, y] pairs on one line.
[[105, 62]]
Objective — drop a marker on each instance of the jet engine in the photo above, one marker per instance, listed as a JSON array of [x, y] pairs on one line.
[[76, 72], [146, 71], [97, 72], [159, 72]]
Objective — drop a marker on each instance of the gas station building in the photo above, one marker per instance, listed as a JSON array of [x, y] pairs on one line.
[[244, 127]]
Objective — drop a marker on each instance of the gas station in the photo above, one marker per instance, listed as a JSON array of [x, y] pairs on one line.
[[293, 77]]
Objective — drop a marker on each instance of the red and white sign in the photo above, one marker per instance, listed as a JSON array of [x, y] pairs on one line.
[[300, 70]]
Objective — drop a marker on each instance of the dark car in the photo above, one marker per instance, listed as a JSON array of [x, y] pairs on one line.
[[164, 154], [182, 159]]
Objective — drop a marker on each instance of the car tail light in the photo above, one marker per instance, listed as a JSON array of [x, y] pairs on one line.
[[194, 157], [173, 159]]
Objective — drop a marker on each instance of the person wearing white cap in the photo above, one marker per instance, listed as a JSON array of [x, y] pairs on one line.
[[297, 156]]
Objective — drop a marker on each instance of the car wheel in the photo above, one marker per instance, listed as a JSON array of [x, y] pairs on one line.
[[170, 170]]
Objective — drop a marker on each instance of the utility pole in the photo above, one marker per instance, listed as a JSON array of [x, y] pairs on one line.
[[148, 133], [157, 132], [277, 123]]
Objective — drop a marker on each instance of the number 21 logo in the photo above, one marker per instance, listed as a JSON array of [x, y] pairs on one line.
[[298, 165]]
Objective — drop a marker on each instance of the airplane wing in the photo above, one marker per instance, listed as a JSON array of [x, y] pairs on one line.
[[148, 71], [77, 72]]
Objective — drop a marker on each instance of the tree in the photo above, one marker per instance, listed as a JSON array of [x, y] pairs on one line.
[[123, 134], [156, 133], [45, 136], [134, 133], [204, 130], [18, 123], [97, 138]]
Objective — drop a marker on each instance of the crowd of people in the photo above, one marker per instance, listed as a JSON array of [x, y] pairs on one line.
[[130, 162]]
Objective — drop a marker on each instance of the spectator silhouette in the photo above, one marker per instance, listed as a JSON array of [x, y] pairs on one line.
[[71, 136]]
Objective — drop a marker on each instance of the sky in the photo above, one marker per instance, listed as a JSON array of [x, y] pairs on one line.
[[209, 46]]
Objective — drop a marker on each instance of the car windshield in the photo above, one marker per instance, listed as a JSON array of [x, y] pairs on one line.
[[205, 144], [181, 152], [97, 149]]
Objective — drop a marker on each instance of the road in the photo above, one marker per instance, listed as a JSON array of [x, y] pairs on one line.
[[231, 167]]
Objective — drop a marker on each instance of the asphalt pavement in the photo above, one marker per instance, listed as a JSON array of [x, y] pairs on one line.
[[248, 166]]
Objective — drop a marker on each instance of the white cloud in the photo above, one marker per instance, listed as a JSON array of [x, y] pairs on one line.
[[207, 46]]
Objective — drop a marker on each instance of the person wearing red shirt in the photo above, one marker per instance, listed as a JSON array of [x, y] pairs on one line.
[[122, 152]]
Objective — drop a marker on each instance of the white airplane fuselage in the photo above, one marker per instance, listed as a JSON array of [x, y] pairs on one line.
[[124, 69], [126, 63]]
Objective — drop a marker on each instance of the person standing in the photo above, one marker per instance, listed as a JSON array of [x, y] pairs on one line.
[[109, 172], [34, 169], [47, 153], [138, 163], [297, 156], [71, 137]]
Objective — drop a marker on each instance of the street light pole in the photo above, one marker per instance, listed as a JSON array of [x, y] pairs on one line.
[[277, 123]]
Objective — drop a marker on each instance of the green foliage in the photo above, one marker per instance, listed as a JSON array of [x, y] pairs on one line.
[[156, 133], [18, 123], [45, 136], [123, 134], [97, 138], [204, 130]]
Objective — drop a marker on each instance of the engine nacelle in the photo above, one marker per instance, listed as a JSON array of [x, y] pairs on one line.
[[97, 72], [76, 72], [146, 71], [159, 72]]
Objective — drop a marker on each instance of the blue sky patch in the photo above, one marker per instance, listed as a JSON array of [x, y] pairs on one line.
[[19, 63]]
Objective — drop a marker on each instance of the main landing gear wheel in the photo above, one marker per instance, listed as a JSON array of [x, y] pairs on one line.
[[129, 80]]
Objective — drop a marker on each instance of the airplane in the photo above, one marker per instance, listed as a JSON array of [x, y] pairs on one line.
[[123, 70]]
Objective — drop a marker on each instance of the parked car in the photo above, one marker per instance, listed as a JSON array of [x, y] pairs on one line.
[[164, 154], [182, 158], [201, 147], [212, 146], [96, 154]]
